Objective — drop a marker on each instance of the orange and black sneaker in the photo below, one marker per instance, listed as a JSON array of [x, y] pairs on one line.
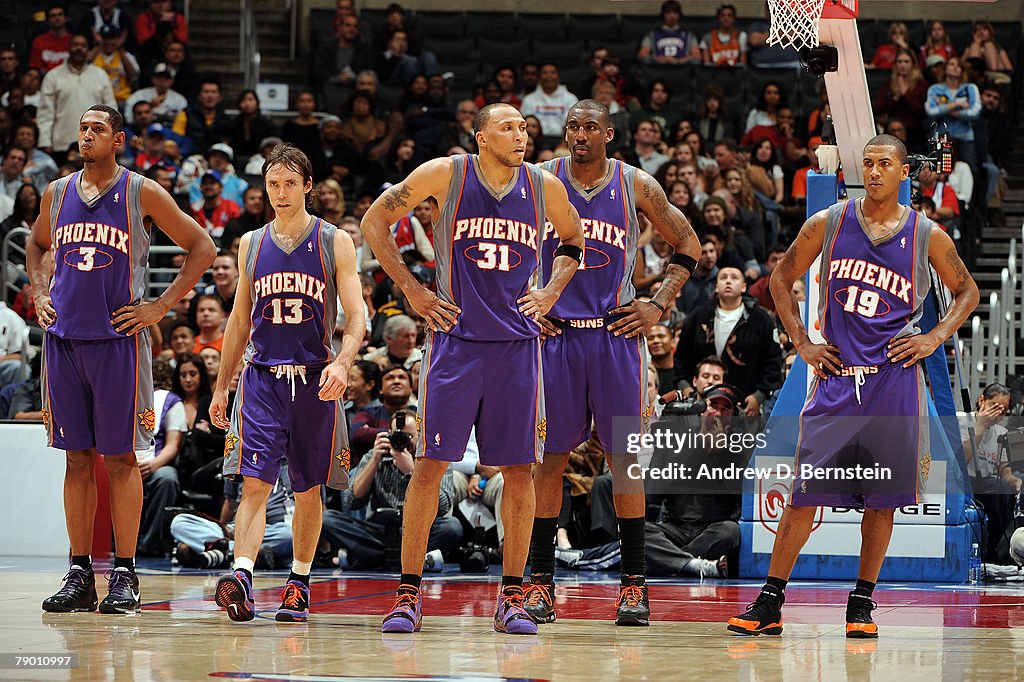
[[294, 606], [858, 617], [632, 607], [763, 615], [539, 598]]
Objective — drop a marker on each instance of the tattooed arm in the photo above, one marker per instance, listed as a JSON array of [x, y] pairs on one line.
[[429, 180], [794, 265], [673, 227], [943, 257]]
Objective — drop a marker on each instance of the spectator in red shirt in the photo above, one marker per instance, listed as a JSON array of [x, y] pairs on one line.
[[885, 55], [160, 11], [213, 212], [759, 289], [799, 191], [51, 49]]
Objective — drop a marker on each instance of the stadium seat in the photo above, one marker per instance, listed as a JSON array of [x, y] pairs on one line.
[[636, 26], [679, 78], [594, 28], [916, 31], [572, 77], [624, 49], [490, 24], [466, 74], [960, 33], [541, 26], [565, 53], [732, 80], [787, 78], [449, 48], [1007, 34], [495, 52], [869, 41], [439, 25], [876, 78], [373, 19]]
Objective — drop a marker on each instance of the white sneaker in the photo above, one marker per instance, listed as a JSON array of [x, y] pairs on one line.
[[997, 572], [568, 557], [706, 568], [433, 562]]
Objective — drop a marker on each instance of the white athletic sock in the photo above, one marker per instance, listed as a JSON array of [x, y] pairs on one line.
[[301, 567], [242, 562]]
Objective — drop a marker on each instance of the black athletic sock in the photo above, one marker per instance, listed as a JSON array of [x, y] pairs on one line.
[[84, 561], [777, 584], [633, 543], [411, 579], [542, 545], [511, 581], [125, 562], [304, 579], [864, 588]]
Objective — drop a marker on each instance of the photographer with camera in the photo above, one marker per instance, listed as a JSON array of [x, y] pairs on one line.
[[992, 480], [378, 484], [699, 529]]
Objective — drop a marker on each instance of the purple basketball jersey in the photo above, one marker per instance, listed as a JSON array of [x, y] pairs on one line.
[[294, 297], [608, 215], [871, 291], [100, 252], [487, 250]]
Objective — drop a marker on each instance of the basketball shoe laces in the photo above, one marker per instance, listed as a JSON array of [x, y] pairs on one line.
[[536, 593], [292, 597], [859, 609], [291, 371], [762, 607], [513, 598], [120, 583], [631, 595], [75, 580], [407, 600]]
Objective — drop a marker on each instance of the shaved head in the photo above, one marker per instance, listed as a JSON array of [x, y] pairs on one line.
[[594, 106], [889, 141], [482, 117]]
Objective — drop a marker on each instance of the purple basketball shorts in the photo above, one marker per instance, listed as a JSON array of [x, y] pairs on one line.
[[268, 425], [593, 377], [880, 425], [493, 385], [98, 394]]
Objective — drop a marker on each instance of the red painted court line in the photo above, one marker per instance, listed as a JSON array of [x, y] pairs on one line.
[[695, 603]]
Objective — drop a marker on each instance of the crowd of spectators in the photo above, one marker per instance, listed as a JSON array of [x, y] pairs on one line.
[[385, 98]]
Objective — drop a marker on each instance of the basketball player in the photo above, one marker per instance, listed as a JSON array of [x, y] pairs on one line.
[[98, 379], [874, 279], [482, 355], [294, 271], [594, 357]]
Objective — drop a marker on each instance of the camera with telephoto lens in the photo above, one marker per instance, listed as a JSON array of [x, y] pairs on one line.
[[939, 156], [399, 439], [475, 553], [679, 406]]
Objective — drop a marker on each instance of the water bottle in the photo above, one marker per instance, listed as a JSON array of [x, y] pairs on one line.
[[974, 566], [483, 483]]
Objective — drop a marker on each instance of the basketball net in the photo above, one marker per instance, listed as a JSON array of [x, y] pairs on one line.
[[795, 22]]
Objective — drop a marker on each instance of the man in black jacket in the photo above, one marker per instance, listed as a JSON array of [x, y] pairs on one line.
[[742, 334], [699, 529]]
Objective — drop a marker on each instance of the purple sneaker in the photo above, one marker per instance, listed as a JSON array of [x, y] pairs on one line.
[[234, 593], [511, 618], [294, 606], [405, 615]]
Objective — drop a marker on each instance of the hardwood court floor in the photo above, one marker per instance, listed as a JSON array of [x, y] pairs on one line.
[[929, 632]]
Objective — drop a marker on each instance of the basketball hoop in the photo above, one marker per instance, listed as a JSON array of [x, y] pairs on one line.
[[795, 22]]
